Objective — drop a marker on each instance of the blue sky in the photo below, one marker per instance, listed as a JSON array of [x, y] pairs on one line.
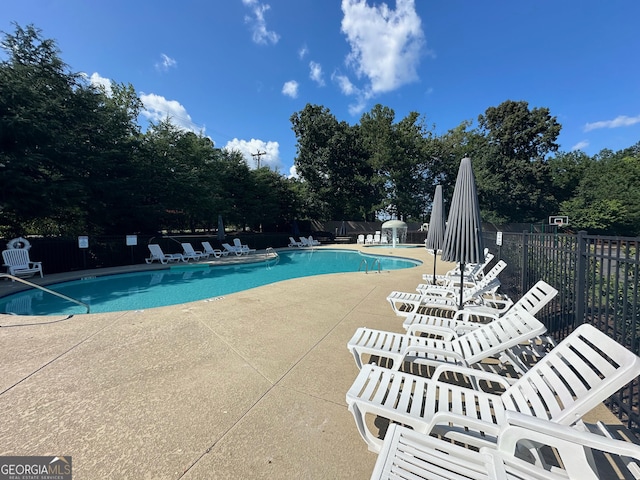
[[236, 70]]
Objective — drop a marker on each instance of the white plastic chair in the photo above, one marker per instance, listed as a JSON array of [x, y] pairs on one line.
[[578, 374], [19, 264], [488, 340], [210, 250], [404, 303], [473, 316], [243, 248], [409, 454], [190, 254], [160, 256], [294, 243]]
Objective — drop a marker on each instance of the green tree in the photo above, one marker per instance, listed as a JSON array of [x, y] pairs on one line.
[[40, 106], [401, 155], [332, 161], [514, 183], [607, 199]]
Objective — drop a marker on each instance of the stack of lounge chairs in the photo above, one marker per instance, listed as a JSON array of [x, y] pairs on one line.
[[460, 401]]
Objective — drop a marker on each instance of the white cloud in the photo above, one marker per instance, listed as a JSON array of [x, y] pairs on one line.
[[315, 73], [580, 145], [386, 44], [101, 82], [293, 172], [165, 63], [346, 87], [158, 108], [349, 89], [290, 89], [261, 34], [303, 52], [620, 121], [271, 157]]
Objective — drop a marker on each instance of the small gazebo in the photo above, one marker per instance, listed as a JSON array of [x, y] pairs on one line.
[[397, 229]]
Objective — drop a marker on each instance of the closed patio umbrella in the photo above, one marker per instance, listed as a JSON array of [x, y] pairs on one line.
[[463, 241], [435, 235], [220, 228]]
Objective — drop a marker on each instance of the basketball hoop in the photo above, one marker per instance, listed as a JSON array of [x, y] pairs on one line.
[[559, 220]]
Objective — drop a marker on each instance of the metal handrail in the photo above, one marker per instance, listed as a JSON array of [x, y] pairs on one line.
[[376, 260], [45, 289], [366, 265]]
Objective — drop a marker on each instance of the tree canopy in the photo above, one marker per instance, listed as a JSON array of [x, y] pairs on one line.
[[74, 160]]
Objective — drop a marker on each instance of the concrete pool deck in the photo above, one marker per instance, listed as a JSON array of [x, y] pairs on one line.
[[251, 385]]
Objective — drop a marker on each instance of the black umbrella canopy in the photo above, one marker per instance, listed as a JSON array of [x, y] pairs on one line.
[[463, 236], [220, 228], [435, 235]]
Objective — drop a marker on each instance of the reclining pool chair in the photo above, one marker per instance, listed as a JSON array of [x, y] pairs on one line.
[[490, 339], [472, 273], [294, 243], [453, 290], [244, 249], [404, 303], [19, 264], [160, 256], [207, 248], [582, 371], [190, 254], [408, 454], [473, 316], [230, 249]]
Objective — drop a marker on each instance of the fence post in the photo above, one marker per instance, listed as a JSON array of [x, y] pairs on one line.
[[525, 262], [581, 278]]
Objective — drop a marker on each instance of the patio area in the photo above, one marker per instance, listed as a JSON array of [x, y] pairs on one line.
[[250, 385]]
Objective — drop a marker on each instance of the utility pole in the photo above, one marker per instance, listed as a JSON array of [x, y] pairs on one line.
[[258, 154]]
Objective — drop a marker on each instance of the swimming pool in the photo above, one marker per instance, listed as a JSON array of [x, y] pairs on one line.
[[190, 282]]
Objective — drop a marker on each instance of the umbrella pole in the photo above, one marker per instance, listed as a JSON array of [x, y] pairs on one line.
[[461, 282], [435, 258]]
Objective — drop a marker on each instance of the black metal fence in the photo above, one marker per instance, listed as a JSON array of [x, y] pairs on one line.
[[597, 280]]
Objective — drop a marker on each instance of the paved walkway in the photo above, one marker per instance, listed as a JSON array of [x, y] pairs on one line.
[[251, 385]]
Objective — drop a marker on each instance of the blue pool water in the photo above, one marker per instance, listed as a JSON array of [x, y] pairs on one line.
[[189, 282]]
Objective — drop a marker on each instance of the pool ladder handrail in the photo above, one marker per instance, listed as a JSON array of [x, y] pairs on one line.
[[270, 251], [373, 264], [45, 289]]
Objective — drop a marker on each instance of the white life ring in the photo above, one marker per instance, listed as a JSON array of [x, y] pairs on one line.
[[19, 243]]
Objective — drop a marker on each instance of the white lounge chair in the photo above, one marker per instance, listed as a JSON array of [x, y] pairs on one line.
[[294, 243], [158, 255], [243, 248], [473, 273], [490, 339], [453, 289], [190, 254], [231, 249], [217, 253], [19, 264], [313, 242], [360, 239], [473, 316], [579, 373], [368, 239], [305, 242], [405, 303], [409, 454]]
